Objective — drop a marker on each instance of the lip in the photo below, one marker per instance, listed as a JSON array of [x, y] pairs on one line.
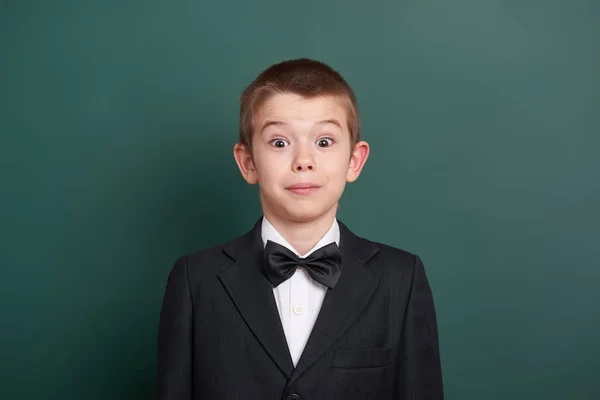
[[303, 185], [303, 188]]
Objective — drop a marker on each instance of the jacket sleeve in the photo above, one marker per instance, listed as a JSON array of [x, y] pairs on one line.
[[421, 373], [174, 369]]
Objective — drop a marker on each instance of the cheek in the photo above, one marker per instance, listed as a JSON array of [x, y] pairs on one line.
[[339, 168], [269, 175]]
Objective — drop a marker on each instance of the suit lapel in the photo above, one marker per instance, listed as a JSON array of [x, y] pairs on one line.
[[341, 306], [253, 296]]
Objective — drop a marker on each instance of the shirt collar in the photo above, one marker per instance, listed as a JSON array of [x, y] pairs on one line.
[[268, 232]]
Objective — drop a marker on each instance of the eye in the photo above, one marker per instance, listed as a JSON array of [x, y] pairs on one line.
[[279, 143], [325, 142]]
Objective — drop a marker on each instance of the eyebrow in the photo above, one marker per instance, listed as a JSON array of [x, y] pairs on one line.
[[281, 123], [272, 123]]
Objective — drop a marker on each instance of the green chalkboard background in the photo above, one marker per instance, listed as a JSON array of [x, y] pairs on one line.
[[117, 122]]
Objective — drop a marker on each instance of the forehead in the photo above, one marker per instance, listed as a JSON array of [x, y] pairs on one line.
[[290, 107]]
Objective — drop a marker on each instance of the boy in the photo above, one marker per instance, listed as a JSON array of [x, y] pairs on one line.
[[299, 307]]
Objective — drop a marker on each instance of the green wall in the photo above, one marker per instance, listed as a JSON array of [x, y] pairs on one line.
[[117, 122]]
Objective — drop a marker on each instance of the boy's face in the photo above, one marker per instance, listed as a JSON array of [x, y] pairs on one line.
[[301, 157]]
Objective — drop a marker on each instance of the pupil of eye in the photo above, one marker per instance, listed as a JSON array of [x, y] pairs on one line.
[[323, 142]]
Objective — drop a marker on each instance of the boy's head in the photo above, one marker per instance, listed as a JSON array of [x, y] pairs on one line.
[[299, 128], [307, 78]]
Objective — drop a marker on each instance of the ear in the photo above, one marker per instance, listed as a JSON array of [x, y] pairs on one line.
[[358, 159], [244, 161]]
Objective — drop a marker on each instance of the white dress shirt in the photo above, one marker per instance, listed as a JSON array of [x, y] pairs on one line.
[[299, 298]]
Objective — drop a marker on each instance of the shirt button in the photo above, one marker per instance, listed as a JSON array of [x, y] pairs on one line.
[[298, 310]]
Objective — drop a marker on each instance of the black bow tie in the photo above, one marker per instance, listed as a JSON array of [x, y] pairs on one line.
[[324, 265]]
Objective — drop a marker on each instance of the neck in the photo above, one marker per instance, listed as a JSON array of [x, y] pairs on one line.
[[302, 235]]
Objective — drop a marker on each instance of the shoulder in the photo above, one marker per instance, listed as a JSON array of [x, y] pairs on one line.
[[381, 258], [393, 263], [377, 251], [207, 261], [204, 257], [205, 264], [394, 254]]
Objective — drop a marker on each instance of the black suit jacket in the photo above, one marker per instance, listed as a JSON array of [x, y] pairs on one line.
[[220, 334]]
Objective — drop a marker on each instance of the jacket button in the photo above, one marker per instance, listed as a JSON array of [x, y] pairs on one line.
[[293, 397]]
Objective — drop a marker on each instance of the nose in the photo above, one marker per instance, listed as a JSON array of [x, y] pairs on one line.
[[303, 160]]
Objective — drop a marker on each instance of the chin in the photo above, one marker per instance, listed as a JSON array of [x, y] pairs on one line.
[[305, 215], [297, 210]]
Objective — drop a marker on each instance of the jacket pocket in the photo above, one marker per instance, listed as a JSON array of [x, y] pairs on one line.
[[361, 358]]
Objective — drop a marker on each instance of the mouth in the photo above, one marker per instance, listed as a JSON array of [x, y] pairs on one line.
[[303, 188]]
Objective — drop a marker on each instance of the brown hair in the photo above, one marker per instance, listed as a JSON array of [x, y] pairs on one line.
[[305, 77]]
